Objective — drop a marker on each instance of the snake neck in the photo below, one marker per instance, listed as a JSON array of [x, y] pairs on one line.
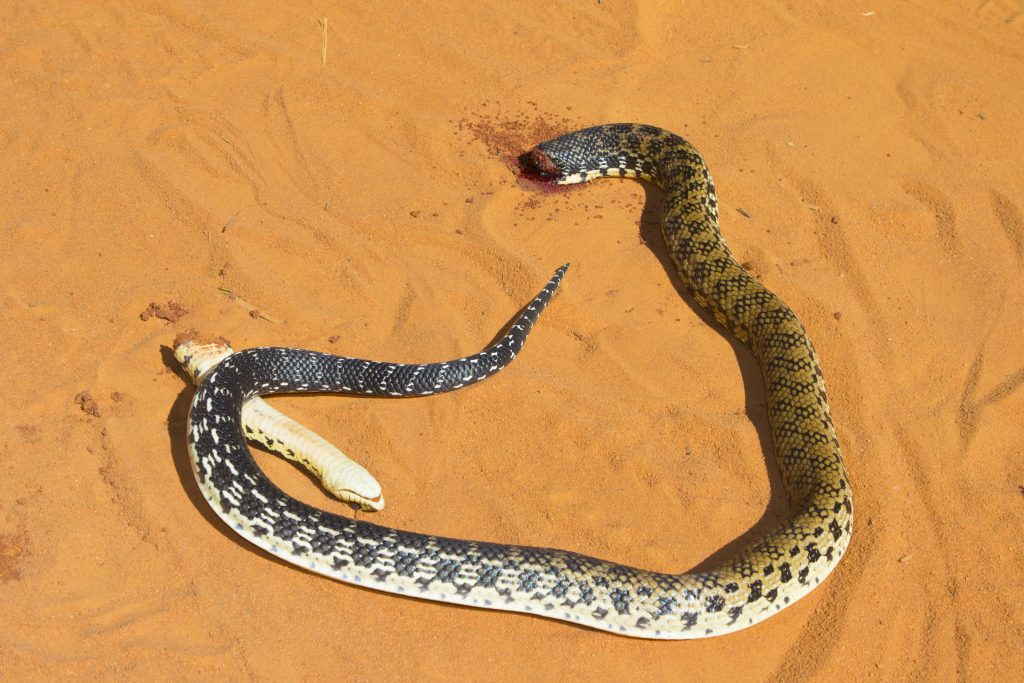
[[701, 256]]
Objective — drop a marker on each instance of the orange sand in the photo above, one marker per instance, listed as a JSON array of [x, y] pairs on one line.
[[869, 171]]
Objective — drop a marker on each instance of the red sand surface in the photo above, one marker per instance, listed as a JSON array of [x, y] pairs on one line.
[[212, 162]]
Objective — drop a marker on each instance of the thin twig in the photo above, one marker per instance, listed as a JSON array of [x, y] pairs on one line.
[[253, 311], [231, 221], [323, 53]]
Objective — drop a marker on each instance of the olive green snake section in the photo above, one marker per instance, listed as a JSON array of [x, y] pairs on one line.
[[789, 562], [765, 577]]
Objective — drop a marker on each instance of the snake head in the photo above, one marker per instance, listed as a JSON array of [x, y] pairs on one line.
[[538, 166]]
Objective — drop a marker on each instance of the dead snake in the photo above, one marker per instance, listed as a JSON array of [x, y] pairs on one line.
[[769, 574]]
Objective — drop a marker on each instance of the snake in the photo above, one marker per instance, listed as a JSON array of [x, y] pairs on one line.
[[769, 574], [338, 474]]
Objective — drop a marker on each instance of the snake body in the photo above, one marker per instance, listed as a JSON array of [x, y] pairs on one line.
[[272, 429], [762, 579]]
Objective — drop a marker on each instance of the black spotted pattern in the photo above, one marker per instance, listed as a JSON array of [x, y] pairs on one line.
[[556, 583]]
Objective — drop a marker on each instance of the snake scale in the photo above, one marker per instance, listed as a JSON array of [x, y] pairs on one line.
[[769, 574]]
